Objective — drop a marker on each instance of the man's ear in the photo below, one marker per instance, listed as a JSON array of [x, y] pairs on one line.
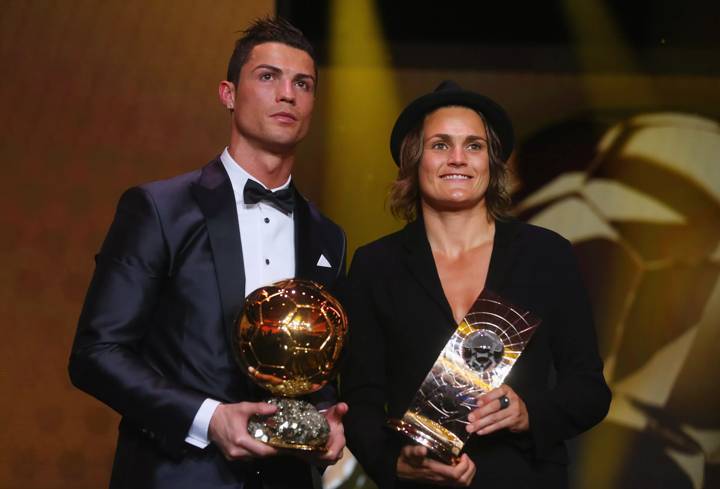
[[226, 94]]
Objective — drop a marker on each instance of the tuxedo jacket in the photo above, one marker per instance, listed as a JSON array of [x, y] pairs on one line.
[[155, 335], [400, 320]]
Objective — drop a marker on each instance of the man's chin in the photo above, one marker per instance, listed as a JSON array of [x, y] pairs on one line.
[[282, 146], [286, 137], [278, 143]]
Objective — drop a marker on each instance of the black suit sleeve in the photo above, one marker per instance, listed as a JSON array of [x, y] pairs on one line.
[[106, 360], [580, 398], [363, 381]]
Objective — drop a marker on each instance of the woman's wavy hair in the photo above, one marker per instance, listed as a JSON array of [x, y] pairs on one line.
[[404, 198]]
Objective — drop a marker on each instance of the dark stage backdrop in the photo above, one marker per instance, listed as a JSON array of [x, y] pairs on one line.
[[618, 150]]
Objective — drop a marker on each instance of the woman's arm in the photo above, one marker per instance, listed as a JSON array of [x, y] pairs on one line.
[[363, 378], [580, 398]]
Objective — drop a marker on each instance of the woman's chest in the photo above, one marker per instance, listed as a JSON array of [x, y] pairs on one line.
[[417, 316], [463, 278]]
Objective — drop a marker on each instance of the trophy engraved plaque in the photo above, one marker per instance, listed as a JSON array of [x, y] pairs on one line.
[[476, 359], [289, 340]]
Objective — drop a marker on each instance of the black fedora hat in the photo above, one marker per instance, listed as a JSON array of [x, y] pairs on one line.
[[446, 94]]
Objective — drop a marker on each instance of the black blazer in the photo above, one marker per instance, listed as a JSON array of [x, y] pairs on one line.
[[400, 320], [154, 337]]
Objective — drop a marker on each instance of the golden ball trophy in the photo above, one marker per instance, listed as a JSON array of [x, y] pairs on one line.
[[289, 340]]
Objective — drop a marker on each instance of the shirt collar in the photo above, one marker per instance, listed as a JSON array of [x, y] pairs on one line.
[[239, 176]]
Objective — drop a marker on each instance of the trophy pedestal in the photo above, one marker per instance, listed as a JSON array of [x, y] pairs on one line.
[[296, 425], [441, 442]]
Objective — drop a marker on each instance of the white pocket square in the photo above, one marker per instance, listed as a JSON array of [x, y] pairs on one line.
[[323, 262]]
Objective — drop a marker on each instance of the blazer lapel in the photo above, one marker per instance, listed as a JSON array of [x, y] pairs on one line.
[[216, 199], [503, 254], [421, 265]]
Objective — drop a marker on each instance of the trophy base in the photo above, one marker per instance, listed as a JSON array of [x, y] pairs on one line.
[[444, 450], [296, 425]]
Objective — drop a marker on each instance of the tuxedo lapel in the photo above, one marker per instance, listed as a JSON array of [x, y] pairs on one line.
[[216, 199], [421, 265], [310, 247]]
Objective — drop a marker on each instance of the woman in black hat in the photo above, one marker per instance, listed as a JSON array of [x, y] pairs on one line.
[[410, 289]]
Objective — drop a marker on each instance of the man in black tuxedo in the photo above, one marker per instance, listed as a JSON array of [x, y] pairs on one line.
[[154, 337]]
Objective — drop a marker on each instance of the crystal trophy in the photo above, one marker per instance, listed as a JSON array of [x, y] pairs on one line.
[[476, 359]]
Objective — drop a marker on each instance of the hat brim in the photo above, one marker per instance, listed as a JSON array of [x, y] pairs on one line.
[[416, 111]]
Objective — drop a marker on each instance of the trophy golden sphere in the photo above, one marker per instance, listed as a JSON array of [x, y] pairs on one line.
[[290, 337]]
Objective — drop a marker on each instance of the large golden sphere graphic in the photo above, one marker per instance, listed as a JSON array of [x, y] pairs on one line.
[[644, 219], [290, 336]]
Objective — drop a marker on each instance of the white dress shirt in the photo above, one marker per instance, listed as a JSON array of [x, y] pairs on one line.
[[268, 252]]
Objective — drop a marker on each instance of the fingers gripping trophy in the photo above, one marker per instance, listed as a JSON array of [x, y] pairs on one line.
[[289, 341]]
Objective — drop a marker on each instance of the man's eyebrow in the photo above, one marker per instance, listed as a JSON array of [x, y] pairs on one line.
[[275, 69], [268, 67], [301, 76]]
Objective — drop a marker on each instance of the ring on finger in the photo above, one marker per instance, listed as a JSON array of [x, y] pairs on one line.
[[504, 402]]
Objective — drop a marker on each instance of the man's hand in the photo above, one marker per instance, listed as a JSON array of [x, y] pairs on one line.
[[336, 440], [500, 408], [228, 430], [413, 463]]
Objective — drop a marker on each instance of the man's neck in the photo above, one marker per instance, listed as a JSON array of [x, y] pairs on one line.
[[270, 168]]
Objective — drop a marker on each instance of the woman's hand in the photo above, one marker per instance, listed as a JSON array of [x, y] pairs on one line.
[[413, 463], [500, 408]]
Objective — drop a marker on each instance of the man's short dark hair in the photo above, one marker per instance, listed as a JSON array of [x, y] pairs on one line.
[[262, 31]]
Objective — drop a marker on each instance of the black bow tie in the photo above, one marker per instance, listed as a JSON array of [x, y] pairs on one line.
[[283, 200]]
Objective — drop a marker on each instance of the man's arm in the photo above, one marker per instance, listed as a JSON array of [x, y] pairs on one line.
[[106, 359]]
